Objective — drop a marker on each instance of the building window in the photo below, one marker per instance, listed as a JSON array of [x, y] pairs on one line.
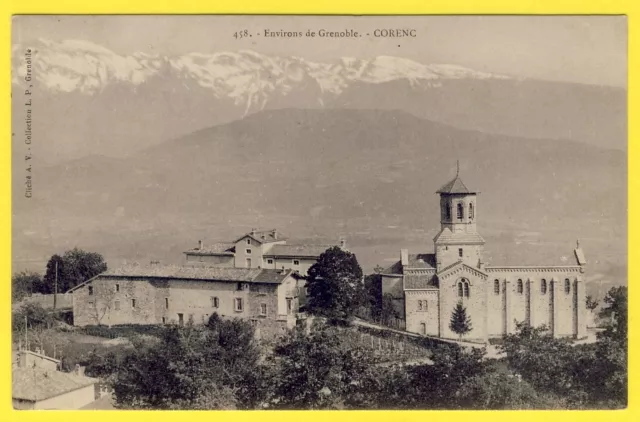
[[460, 252], [91, 304], [238, 304], [248, 251], [423, 328], [248, 261], [117, 288], [215, 302], [90, 290], [248, 241], [419, 305], [463, 288], [460, 211], [296, 262], [269, 261], [520, 286], [239, 286], [567, 286], [180, 319], [166, 303], [263, 309], [470, 211], [164, 320], [543, 286], [496, 287], [116, 305], [133, 303], [447, 211], [289, 305]]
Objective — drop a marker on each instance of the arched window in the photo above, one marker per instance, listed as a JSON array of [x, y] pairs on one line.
[[419, 305], [460, 289], [520, 287], [466, 289], [470, 211], [447, 211], [496, 287], [543, 286], [567, 286], [460, 210]]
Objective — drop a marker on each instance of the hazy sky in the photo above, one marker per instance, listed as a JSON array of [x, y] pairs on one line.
[[584, 49]]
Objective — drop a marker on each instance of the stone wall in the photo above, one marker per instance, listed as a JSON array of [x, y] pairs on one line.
[[475, 304], [428, 314]]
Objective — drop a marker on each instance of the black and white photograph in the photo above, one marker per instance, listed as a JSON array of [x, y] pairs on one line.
[[270, 212]]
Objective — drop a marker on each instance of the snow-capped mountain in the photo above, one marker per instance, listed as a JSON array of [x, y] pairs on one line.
[[91, 100], [247, 77]]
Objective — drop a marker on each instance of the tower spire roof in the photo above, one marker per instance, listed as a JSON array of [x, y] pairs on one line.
[[456, 185]]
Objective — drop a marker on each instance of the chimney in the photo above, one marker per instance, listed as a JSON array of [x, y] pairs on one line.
[[343, 243], [404, 257], [81, 371], [253, 232], [275, 234], [199, 244]]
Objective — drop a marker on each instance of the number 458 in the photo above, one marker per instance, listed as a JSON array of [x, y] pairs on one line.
[[241, 34]]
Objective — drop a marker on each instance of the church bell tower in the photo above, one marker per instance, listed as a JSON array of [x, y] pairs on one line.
[[458, 239]]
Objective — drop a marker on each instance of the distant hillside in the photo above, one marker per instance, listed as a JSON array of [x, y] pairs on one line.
[[367, 174], [90, 100]]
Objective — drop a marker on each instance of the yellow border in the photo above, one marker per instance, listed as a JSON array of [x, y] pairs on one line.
[[628, 7]]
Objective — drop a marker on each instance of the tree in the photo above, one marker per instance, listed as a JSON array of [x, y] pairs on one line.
[[25, 283], [319, 370], [591, 303], [334, 284], [616, 310], [460, 323], [74, 267], [195, 367]]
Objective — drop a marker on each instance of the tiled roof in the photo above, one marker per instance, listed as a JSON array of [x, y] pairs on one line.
[[421, 281], [220, 248], [264, 236], [36, 384], [395, 269], [422, 260], [454, 186], [255, 275], [298, 250], [446, 236]]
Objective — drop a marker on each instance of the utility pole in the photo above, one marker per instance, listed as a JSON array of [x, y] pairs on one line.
[[55, 288], [26, 336]]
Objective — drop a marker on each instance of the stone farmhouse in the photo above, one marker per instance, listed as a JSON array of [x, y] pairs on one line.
[[427, 286], [255, 277], [258, 249]]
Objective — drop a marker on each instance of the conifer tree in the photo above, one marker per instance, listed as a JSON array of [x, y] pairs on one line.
[[460, 322]]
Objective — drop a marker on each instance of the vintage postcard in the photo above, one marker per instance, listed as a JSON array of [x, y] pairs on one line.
[[319, 212]]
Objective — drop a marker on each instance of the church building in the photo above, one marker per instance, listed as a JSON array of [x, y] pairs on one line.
[[428, 286]]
